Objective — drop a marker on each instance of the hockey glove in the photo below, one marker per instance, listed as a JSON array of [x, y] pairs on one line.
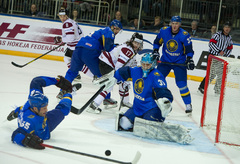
[[190, 63], [32, 141], [156, 54], [57, 39], [64, 84], [165, 106]]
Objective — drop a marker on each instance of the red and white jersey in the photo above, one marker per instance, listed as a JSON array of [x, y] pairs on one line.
[[71, 33], [119, 56]]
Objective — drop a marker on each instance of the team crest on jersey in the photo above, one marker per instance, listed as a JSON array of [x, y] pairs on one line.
[[138, 86], [156, 74], [172, 45], [165, 27], [185, 33], [31, 116]]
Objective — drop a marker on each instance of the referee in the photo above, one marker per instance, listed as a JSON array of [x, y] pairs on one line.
[[220, 45]]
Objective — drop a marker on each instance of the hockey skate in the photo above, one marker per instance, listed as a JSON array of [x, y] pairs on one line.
[[109, 103], [126, 104], [12, 115], [74, 89], [93, 108], [188, 109], [78, 78]]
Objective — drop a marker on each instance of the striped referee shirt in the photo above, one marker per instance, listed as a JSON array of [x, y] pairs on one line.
[[220, 42]]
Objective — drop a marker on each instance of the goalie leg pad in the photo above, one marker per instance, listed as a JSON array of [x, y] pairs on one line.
[[123, 123], [162, 131]]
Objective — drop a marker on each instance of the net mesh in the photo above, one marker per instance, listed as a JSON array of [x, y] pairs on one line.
[[230, 122]]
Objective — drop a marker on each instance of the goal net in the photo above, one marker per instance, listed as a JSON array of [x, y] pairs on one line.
[[221, 100]]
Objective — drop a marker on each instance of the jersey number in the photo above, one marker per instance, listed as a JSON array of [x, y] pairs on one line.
[[161, 83], [22, 123]]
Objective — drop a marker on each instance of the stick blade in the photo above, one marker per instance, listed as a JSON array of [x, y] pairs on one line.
[[136, 158], [75, 110], [16, 65]]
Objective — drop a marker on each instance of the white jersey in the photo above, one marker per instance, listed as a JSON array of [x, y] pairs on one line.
[[71, 33], [119, 56]]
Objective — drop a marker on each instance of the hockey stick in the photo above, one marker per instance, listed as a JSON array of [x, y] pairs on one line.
[[144, 51], [178, 64], [147, 41], [134, 161], [20, 66], [125, 90], [79, 111]]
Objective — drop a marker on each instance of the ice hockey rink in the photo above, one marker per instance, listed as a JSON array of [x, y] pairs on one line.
[[94, 133]]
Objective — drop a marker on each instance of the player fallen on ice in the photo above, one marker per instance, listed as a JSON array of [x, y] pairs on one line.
[[177, 49], [152, 103], [35, 122], [113, 60]]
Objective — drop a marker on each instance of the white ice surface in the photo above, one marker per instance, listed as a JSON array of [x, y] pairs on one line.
[[93, 134]]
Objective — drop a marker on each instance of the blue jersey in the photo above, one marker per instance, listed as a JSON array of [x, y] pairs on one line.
[[146, 90], [30, 122], [175, 47], [102, 39]]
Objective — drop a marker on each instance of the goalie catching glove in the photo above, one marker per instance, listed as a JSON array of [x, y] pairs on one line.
[[107, 80], [165, 106]]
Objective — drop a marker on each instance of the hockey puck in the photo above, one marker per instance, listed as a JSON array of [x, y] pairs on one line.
[[107, 152]]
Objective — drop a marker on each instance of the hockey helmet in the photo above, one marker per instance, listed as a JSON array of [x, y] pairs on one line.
[[37, 99], [176, 19], [116, 23], [137, 38], [63, 12], [148, 63]]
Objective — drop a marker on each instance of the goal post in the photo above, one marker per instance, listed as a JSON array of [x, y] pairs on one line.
[[221, 100]]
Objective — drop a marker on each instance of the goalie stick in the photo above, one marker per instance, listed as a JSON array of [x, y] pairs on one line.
[[20, 66], [134, 161], [79, 111]]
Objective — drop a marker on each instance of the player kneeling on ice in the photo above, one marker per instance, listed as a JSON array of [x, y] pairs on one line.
[[35, 122], [152, 103]]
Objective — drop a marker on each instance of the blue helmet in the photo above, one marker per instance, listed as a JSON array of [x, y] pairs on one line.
[[176, 19], [148, 58], [116, 23], [37, 99]]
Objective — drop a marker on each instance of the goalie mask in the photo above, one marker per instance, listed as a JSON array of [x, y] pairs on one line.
[[37, 99], [137, 42], [148, 63]]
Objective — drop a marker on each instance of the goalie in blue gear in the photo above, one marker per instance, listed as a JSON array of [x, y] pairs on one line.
[[35, 122], [149, 85], [151, 105]]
